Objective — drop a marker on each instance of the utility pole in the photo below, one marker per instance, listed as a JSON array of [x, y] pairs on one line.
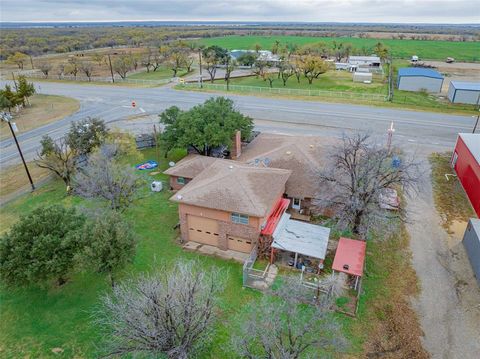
[[200, 63], [111, 69], [8, 118], [478, 116], [390, 132]]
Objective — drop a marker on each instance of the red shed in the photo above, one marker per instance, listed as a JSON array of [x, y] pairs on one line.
[[466, 163], [350, 257]]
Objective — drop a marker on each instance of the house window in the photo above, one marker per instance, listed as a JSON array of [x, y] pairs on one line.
[[296, 203], [239, 218], [180, 180]]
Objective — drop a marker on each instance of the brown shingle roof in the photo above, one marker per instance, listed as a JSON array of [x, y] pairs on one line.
[[235, 187], [190, 166], [303, 155]]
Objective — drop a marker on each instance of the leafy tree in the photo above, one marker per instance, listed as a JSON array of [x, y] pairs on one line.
[[168, 313], [45, 67], [57, 157], [110, 244], [86, 135], [9, 98], [230, 66], [313, 66], [105, 178], [204, 126], [286, 71], [247, 59], [25, 89], [357, 174], [71, 67], [177, 59], [18, 58], [41, 246], [281, 326], [270, 77], [382, 51], [214, 56], [98, 58], [122, 64]]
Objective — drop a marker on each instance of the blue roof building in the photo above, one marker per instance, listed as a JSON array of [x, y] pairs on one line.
[[419, 79], [464, 92]]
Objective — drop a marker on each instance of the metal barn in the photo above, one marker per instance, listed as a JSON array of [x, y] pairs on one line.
[[471, 242], [464, 92], [419, 79]]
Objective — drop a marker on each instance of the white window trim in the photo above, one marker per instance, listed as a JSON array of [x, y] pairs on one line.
[[454, 159], [296, 206], [239, 218]]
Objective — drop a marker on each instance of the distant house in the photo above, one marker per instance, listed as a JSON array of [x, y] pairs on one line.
[[466, 163], [419, 79], [365, 63], [464, 92], [228, 203]]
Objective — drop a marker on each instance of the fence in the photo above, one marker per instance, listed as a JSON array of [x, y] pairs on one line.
[[287, 91], [38, 75]]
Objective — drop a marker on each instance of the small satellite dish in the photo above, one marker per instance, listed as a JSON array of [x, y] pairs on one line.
[[171, 163], [266, 161], [179, 196]]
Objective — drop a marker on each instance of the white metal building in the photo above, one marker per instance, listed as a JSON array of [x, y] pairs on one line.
[[464, 92], [471, 242], [362, 77], [418, 79]]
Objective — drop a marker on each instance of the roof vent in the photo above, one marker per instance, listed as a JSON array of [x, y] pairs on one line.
[[288, 152], [231, 167], [311, 146], [179, 196], [346, 266], [171, 163]]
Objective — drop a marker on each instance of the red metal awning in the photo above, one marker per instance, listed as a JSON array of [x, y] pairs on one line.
[[274, 216], [350, 256]]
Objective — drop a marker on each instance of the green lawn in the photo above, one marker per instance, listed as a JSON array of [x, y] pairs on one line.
[[431, 49], [36, 320], [332, 81], [161, 74]]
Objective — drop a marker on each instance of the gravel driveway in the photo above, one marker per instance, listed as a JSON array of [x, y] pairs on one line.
[[448, 305]]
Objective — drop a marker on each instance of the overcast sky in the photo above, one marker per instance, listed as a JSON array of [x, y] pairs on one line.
[[408, 11]]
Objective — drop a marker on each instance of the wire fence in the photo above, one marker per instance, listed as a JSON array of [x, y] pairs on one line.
[[287, 91], [108, 79]]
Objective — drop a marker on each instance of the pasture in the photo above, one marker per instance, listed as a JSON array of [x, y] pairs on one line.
[[402, 49]]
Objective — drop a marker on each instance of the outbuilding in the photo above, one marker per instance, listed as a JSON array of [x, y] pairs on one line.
[[471, 242], [362, 77], [464, 92], [350, 258], [419, 79], [466, 163]]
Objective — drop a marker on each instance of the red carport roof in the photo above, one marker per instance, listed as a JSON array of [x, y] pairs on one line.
[[350, 256], [275, 216]]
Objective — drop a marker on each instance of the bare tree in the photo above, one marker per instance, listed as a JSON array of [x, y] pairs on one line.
[[57, 157], [87, 68], [103, 177], [286, 71], [72, 67], [358, 172], [122, 65], [284, 328], [170, 312], [45, 67], [60, 70], [229, 68]]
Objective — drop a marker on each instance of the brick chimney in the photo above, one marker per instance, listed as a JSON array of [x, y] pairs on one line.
[[236, 149]]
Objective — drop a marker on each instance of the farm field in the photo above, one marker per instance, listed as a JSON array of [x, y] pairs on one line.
[[425, 49], [36, 320]]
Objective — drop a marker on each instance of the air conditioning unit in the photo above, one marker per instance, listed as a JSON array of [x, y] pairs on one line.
[[156, 186]]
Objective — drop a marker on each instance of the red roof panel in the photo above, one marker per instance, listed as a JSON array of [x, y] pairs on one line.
[[274, 216], [350, 256]]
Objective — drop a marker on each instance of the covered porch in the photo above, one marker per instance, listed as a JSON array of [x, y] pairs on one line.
[[299, 245]]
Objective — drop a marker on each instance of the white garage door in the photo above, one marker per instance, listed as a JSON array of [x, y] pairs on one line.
[[202, 230]]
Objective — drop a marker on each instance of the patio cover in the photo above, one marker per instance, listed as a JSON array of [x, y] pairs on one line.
[[300, 237], [351, 253]]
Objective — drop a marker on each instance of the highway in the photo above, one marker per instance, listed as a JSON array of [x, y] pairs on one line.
[[113, 104]]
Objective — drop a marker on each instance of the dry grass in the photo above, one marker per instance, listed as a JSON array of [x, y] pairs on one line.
[[43, 109], [450, 198], [14, 178]]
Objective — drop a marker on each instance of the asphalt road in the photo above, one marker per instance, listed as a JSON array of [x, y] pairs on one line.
[[113, 104]]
